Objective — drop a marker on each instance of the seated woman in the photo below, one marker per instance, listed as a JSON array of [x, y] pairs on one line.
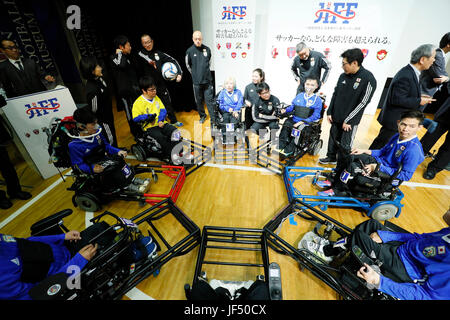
[[362, 165], [251, 95], [91, 153], [150, 113], [305, 108], [230, 102]]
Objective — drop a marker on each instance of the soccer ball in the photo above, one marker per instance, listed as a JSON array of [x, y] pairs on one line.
[[169, 71]]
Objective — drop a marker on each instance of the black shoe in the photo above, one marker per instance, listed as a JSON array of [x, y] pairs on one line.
[[327, 160], [202, 119], [5, 203], [22, 195], [430, 173]]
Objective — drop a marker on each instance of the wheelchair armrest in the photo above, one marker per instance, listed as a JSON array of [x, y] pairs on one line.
[[53, 287], [48, 223]]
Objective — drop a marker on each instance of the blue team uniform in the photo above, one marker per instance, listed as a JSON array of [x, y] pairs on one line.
[[233, 100], [314, 102], [79, 149], [408, 152], [11, 286], [425, 257]]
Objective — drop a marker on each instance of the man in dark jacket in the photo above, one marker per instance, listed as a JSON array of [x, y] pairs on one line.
[[7, 169], [20, 76], [442, 117], [404, 94], [309, 63], [353, 92], [198, 59], [151, 62]]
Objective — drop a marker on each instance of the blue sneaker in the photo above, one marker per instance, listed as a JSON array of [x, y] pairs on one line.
[[151, 249], [178, 124], [328, 193]]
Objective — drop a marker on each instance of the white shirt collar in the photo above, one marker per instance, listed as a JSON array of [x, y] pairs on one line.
[[416, 71], [14, 62], [406, 140]]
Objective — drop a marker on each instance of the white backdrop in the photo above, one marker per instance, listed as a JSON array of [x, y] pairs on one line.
[[30, 114], [405, 23], [234, 40]]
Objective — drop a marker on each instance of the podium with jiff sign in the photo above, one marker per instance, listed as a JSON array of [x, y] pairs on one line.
[[29, 116]]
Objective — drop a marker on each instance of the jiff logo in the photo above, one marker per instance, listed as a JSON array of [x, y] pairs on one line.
[[339, 10], [41, 108], [231, 12]]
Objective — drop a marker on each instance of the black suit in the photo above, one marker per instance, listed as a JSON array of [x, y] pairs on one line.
[[17, 83], [403, 95], [442, 117]]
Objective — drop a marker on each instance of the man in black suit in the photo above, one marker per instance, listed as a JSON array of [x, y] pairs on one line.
[[404, 94], [7, 169], [20, 76], [442, 117]]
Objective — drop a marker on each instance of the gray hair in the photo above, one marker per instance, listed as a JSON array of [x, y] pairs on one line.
[[300, 46], [425, 50]]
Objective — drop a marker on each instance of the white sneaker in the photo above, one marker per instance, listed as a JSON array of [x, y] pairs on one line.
[[139, 181], [311, 236], [316, 249]]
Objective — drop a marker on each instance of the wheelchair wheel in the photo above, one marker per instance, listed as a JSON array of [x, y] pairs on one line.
[[139, 152], [384, 212], [315, 148], [87, 202]]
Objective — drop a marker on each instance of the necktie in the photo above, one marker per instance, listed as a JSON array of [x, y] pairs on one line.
[[19, 65]]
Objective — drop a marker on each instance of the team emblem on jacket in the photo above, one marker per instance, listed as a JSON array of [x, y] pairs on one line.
[[205, 53], [270, 107], [429, 251], [355, 85], [313, 62], [156, 57]]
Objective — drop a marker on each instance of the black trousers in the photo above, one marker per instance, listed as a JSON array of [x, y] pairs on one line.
[[344, 137], [8, 172], [204, 93], [442, 158], [127, 102], [392, 266], [163, 137], [164, 95], [383, 138]]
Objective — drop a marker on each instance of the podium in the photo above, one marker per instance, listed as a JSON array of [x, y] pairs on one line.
[[29, 116]]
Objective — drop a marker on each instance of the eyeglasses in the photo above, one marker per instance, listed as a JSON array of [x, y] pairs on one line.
[[152, 89], [11, 48]]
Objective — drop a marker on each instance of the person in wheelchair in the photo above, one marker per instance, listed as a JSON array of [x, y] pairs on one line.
[[409, 266], [230, 102], [367, 168], [305, 109], [264, 113], [91, 153], [25, 262], [149, 112]]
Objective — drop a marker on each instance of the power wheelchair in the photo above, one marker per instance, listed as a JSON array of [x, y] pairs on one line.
[[190, 154], [116, 268], [379, 196], [229, 140], [340, 273], [219, 241], [306, 139], [90, 190]]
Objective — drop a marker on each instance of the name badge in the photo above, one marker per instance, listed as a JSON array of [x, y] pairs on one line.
[[295, 133], [345, 176]]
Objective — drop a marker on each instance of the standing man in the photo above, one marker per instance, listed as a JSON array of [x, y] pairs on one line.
[[151, 62], [353, 92], [20, 76], [309, 63], [404, 94], [431, 79], [125, 75], [198, 59]]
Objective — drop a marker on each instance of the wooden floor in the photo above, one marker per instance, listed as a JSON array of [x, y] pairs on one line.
[[239, 196]]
